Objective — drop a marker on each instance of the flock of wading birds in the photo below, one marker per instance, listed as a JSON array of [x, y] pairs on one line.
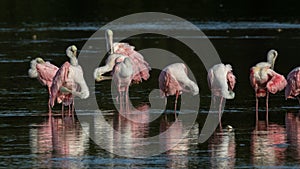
[[128, 66]]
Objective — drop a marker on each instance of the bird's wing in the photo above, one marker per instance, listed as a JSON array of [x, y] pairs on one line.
[[58, 81], [253, 81], [169, 84], [210, 78], [293, 86], [46, 72], [276, 83], [140, 66], [231, 79]]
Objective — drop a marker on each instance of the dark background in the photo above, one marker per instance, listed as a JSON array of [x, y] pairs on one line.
[[18, 11]]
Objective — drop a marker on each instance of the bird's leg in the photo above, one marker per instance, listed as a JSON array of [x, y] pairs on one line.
[[69, 112], [220, 111], [177, 93], [267, 107], [127, 100], [298, 99], [49, 107], [62, 110], [73, 108], [121, 101], [256, 108]]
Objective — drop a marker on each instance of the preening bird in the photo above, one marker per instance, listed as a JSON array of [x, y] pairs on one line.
[[264, 79], [173, 80], [140, 67], [44, 72], [69, 81], [293, 84], [221, 82]]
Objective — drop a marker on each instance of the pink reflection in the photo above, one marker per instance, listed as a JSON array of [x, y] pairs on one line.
[[222, 145], [173, 140], [132, 127], [293, 133], [265, 144], [57, 138]]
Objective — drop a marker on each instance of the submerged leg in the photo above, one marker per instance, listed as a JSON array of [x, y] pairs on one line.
[[220, 110], [127, 100], [267, 107], [256, 108], [177, 93], [62, 110]]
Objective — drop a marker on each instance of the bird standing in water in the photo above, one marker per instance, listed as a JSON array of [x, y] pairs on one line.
[[44, 72], [173, 80], [293, 84], [265, 80], [121, 50], [221, 82], [126, 66], [69, 81]]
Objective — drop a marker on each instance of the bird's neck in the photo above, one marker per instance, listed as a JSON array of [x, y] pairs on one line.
[[74, 61]]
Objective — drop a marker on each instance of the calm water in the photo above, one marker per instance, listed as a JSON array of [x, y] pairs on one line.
[[30, 139]]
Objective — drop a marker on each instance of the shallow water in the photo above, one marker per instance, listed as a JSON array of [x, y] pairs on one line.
[[31, 139]]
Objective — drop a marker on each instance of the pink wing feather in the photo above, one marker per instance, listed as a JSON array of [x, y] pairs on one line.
[[168, 84], [276, 83], [231, 80], [58, 81], [293, 86], [46, 72], [140, 66]]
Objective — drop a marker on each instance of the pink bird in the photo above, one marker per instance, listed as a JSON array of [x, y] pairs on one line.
[[69, 81], [221, 82], [44, 72], [173, 80], [293, 84], [140, 67], [264, 80]]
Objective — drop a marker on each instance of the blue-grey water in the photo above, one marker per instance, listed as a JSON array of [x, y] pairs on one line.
[[29, 138]]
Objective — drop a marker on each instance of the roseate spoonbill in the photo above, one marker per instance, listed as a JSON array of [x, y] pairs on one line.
[[44, 72], [293, 84], [69, 81], [122, 76], [264, 80], [173, 80], [221, 82], [140, 67]]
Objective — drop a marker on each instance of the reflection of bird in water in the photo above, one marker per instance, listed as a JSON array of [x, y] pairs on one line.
[[293, 84], [58, 137], [173, 141], [221, 82], [266, 144], [222, 146], [292, 122], [134, 127], [69, 81], [173, 80], [127, 66], [44, 72], [264, 80]]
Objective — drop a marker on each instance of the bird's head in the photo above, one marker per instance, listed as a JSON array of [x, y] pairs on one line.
[[98, 75], [39, 60], [71, 51], [272, 55]]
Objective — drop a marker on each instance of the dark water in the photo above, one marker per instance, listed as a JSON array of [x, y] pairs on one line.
[[30, 139]]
